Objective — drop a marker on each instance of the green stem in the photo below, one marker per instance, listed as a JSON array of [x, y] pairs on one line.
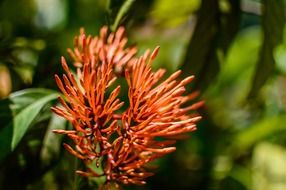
[[75, 180]]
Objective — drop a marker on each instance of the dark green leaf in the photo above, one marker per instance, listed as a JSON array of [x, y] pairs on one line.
[[272, 23], [52, 141], [230, 24], [213, 34], [16, 101], [13, 131], [201, 58]]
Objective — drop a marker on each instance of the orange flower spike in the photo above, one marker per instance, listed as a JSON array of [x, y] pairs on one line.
[[126, 141], [72, 151]]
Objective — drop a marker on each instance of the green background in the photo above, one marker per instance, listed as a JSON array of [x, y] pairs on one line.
[[235, 48]]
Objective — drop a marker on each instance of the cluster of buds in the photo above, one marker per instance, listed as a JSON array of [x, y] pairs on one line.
[[121, 142]]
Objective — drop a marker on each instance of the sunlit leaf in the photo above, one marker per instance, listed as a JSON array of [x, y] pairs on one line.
[[234, 78], [268, 164], [166, 12], [259, 131], [280, 55]]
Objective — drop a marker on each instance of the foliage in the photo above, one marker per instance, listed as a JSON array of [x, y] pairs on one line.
[[236, 49]]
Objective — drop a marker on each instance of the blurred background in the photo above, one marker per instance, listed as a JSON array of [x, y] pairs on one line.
[[236, 49]]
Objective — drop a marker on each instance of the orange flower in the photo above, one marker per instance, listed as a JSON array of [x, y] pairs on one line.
[[121, 142]]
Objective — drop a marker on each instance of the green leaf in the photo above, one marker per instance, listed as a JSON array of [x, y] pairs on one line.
[[16, 101], [52, 142], [268, 165], [273, 24], [122, 11], [24, 114], [231, 23], [166, 12], [260, 130], [201, 57], [214, 32], [25, 97], [234, 79]]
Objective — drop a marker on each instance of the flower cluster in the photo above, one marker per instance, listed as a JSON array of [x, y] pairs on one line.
[[121, 142]]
